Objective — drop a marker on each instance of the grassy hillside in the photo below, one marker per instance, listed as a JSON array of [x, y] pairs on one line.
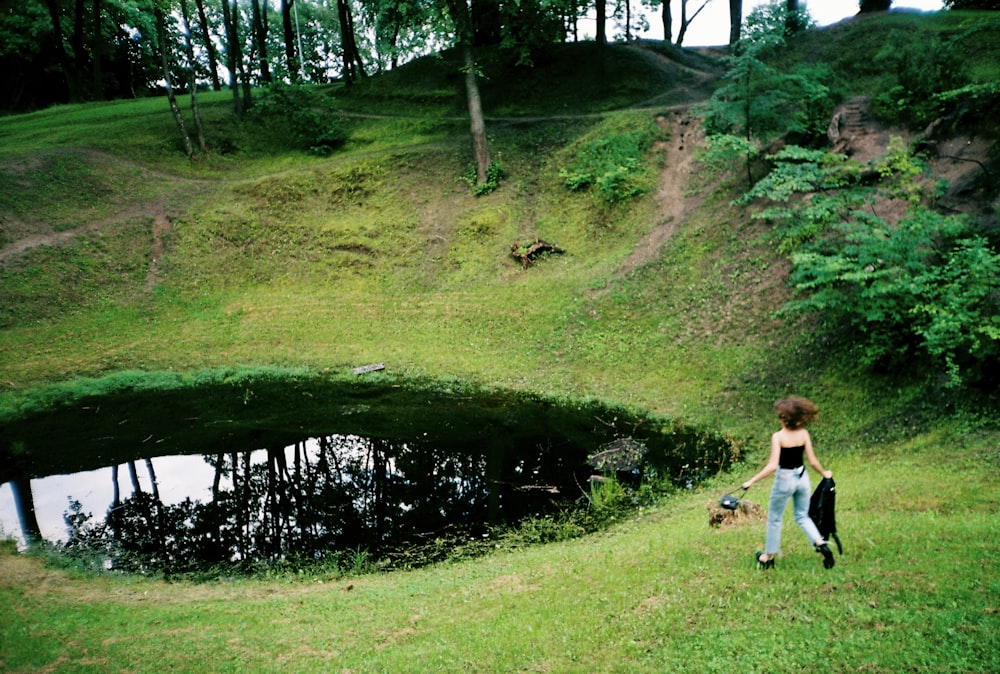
[[119, 255]]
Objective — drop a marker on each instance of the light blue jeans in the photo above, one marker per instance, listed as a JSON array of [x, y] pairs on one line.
[[789, 483]]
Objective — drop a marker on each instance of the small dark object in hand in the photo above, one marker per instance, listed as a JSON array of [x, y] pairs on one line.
[[729, 502]]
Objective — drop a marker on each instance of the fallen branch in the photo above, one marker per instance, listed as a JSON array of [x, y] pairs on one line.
[[528, 254]]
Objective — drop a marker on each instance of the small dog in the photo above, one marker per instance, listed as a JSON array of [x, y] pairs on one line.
[[745, 511]]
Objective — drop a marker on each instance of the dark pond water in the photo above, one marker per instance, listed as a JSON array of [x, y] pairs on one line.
[[266, 471]]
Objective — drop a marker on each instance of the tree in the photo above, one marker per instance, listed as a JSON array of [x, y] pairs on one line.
[[294, 67], [869, 6], [757, 102], [792, 16], [735, 20], [353, 65], [260, 39], [668, 21], [208, 44], [601, 9], [234, 57], [972, 4], [477, 122], [60, 49], [164, 50], [686, 20], [193, 77], [24, 503]]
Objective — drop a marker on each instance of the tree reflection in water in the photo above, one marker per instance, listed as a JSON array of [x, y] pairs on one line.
[[321, 499]]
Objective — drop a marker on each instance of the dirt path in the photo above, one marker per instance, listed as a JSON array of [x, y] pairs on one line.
[[671, 195]]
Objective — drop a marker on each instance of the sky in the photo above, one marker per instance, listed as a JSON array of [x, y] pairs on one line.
[[711, 27]]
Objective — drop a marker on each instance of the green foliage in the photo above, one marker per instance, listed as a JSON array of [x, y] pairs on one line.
[[759, 100], [612, 166], [607, 494], [921, 288], [923, 69], [494, 174], [973, 104], [304, 112]]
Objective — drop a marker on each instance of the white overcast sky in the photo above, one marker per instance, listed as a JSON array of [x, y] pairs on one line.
[[711, 27]]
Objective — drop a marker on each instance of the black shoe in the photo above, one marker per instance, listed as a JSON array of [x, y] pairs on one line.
[[828, 560], [764, 566]]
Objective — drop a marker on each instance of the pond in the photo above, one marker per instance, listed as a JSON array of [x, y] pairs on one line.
[[249, 472]]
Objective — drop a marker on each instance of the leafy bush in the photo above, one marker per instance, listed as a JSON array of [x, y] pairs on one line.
[[613, 166], [306, 114], [758, 101], [923, 69], [494, 174], [972, 104], [920, 290]]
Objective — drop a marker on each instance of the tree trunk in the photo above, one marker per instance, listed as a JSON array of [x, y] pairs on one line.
[[77, 43], [193, 85], [97, 52], [161, 32], [735, 20], [477, 122], [217, 478], [485, 22], [116, 492], [24, 502], [345, 40], [601, 8], [351, 43], [480, 145], [294, 70], [668, 22], [792, 17], [348, 45], [240, 65], [232, 55], [206, 35], [154, 483], [72, 92], [260, 40], [686, 21]]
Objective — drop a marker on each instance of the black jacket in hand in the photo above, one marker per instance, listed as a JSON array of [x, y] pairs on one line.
[[821, 510]]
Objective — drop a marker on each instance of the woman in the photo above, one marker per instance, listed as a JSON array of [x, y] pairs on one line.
[[789, 446]]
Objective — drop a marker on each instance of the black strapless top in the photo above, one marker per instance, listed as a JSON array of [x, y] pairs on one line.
[[791, 457]]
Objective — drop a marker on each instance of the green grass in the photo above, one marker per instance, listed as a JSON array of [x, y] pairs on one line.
[[659, 592], [275, 261]]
